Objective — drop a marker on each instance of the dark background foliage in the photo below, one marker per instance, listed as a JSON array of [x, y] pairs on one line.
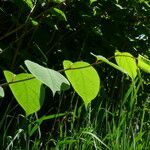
[[44, 36]]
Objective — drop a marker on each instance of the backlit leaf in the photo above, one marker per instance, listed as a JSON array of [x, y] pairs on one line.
[[144, 63], [29, 93], [103, 59], [127, 62], [84, 79]]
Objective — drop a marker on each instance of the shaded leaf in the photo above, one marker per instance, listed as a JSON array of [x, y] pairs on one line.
[[84, 80], [144, 63], [53, 79], [28, 93], [127, 62]]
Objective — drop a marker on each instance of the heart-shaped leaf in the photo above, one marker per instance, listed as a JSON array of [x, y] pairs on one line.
[[1, 92], [53, 79], [144, 63], [29, 92], [127, 62], [83, 78]]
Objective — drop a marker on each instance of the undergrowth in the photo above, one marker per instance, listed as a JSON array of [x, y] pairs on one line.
[[98, 127]]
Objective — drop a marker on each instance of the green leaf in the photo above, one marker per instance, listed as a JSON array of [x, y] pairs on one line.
[[23, 3], [127, 62], [57, 1], [29, 93], [103, 59], [34, 22], [84, 80], [59, 13], [36, 124], [144, 63], [29, 3], [92, 1], [53, 79], [2, 94]]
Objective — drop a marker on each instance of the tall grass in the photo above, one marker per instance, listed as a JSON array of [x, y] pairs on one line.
[[127, 127]]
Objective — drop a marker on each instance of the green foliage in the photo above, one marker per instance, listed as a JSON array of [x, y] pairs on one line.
[[53, 79], [103, 59], [34, 22], [2, 94], [33, 127], [59, 13], [127, 62], [23, 3], [83, 78], [92, 1], [29, 93], [144, 63], [57, 1], [29, 3], [51, 31]]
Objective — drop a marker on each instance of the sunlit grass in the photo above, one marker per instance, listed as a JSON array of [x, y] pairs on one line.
[[100, 127]]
